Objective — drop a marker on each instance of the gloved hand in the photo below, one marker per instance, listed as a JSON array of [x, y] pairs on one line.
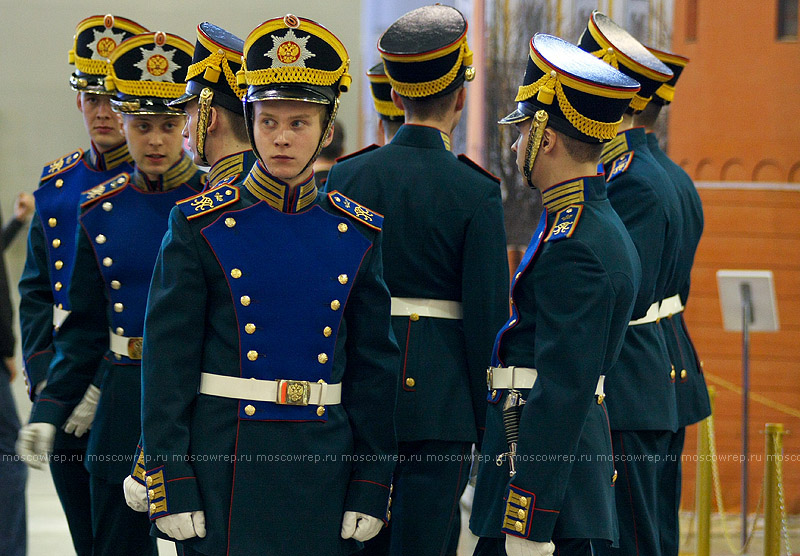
[[82, 416], [135, 494], [515, 546], [361, 527], [35, 442], [184, 525]]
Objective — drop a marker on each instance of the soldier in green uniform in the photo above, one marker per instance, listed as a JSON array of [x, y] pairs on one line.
[[121, 224], [546, 480], [642, 404], [691, 393], [390, 116], [43, 286], [217, 137], [269, 371], [446, 267]]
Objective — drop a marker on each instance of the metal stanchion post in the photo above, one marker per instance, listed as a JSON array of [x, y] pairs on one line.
[[703, 486], [772, 510]]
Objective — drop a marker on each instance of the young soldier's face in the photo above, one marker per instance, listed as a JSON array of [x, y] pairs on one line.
[[102, 124], [154, 141], [520, 146], [286, 134], [190, 130]]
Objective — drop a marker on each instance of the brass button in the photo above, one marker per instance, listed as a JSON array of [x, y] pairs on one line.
[[335, 304], [236, 273], [600, 398], [701, 364], [245, 300], [117, 356], [517, 276], [614, 478], [59, 265], [521, 513], [322, 358], [252, 355], [115, 284], [327, 331], [52, 222], [511, 301], [410, 382], [343, 279], [414, 317], [672, 373], [118, 307], [101, 239], [107, 206], [494, 393], [230, 222], [523, 501], [518, 526], [249, 327], [388, 515], [513, 321], [58, 286], [151, 494], [107, 261], [250, 410], [342, 227], [152, 508], [320, 411], [120, 331], [59, 183], [60, 305], [683, 373], [56, 243], [149, 481]]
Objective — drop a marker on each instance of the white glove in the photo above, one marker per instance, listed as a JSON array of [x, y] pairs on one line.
[[183, 526], [361, 527], [135, 494], [35, 442], [82, 416], [516, 546]]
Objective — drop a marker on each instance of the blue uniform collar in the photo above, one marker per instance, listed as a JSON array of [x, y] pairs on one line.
[[277, 193], [421, 136], [109, 159], [574, 192], [238, 163], [180, 173]]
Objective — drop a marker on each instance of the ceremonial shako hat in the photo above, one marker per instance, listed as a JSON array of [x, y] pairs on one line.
[[96, 37], [381, 91], [292, 58], [425, 52], [583, 97], [666, 92], [217, 58], [608, 41], [147, 71]]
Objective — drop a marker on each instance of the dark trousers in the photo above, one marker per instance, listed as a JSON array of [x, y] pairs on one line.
[[13, 476], [71, 480], [490, 546], [429, 480], [647, 492], [117, 528]]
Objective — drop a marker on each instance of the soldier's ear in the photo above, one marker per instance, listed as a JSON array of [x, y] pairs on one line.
[[79, 102], [397, 100], [213, 120]]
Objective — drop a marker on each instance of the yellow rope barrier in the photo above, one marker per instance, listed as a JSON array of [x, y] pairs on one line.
[[758, 398]]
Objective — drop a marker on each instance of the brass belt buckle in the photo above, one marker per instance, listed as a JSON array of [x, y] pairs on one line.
[[293, 392], [489, 378], [135, 348]]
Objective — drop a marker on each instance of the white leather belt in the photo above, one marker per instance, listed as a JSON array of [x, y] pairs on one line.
[[282, 392], [651, 316], [670, 306], [523, 377], [59, 316], [417, 307], [123, 345]]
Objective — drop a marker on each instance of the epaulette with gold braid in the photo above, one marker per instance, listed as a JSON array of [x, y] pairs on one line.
[[565, 223], [208, 201], [620, 165], [367, 149], [359, 212], [104, 189], [475, 166], [61, 164]]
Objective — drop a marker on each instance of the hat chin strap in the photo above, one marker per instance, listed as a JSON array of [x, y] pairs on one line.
[[203, 117], [538, 125]]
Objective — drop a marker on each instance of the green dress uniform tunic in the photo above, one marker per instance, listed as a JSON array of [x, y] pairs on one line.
[[572, 297], [444, 239], [44, 304], [255, 282]]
